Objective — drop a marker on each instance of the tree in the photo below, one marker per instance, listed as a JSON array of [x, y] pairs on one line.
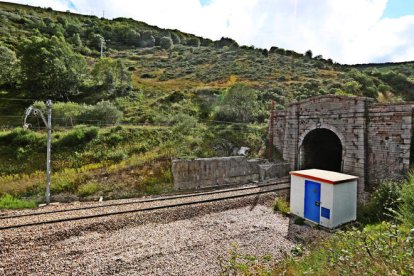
[[76, 42], [175, 38], [166, 43], [8, 65], [309, 54], [193, 42], [225, 41], [111, 74], [237, 104], [123, 75], [95, 41], [51, 69]]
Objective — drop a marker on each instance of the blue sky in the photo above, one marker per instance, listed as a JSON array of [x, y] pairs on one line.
[[205, 2], [398, 8], [348, 31]]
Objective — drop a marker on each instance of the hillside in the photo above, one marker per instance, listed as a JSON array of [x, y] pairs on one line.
[[156, 94]]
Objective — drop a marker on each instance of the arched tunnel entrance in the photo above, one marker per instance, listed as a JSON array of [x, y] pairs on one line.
[[321, 149]]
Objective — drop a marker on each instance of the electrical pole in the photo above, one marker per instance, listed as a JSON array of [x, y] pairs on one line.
[[48, 124], [102, 45], [49, 149], [272, 120]]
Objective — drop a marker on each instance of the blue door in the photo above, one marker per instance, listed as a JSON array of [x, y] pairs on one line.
[[312, 200]]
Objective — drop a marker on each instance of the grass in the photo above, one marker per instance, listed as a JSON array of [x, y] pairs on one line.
[[242, 264], [10, 202], [383, 249], [88, 189], [281, 205]]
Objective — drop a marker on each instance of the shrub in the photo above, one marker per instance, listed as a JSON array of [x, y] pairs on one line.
[[70, 113], [80, 135], [103, 112], [114, 139], [382, 205], [20, 137], [175, 38], [117, 156], [237, 104], [10, 202], [88, 189], [407, 202], [193, 42], [166, 43]]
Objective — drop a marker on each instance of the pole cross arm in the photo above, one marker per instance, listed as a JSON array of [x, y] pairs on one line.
[[36, 112], [48, 124]]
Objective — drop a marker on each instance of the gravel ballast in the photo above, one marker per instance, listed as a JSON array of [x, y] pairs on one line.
[[179, 241]]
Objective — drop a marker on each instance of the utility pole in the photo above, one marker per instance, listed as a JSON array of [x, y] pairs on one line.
[[48, 124], [49, 148], [102, 46], [272, 120]]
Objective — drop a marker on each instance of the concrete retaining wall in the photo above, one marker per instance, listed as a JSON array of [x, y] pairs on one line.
[[223, 171]]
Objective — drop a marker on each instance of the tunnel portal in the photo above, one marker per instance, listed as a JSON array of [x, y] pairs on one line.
[[322, 149]]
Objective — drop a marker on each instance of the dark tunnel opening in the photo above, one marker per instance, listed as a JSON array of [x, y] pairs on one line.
[[322, 149]]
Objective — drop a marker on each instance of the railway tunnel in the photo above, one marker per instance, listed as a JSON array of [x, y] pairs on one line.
[[352, 135], [321, 149]]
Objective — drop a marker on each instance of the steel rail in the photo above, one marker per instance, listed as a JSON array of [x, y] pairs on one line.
[[283, 181], [139, 210]]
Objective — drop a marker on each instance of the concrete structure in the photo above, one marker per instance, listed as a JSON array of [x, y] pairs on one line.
[[222, 171], [323, 197], [353, 135]]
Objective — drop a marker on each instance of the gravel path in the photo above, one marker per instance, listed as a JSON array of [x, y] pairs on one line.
[[183, 241]]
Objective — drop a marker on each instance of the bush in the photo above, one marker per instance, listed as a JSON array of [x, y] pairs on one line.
[[193, 42], [383, 204], [237, 104], [10, 202], [78, 136], [88, 189], [117, 156], [71, 113], [407, 202], [166, 43], [103, 112], [20, 137]]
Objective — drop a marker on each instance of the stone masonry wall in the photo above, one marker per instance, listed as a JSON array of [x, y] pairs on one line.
[[375, 138], [389, 136], [222, 171]]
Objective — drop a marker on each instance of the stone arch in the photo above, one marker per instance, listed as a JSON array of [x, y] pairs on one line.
[[323, 147]]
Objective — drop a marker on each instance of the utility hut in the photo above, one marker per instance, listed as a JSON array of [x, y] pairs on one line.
[[323, 197]]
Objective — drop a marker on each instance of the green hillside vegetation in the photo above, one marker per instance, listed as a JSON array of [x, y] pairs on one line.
[[156, 94]]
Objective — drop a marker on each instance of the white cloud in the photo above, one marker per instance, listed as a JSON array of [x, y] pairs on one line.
[[351, 31]]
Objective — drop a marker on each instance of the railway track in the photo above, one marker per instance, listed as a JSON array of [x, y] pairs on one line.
[[135, 206]]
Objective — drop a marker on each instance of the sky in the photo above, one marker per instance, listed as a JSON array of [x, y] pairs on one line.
[[347, 31]]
